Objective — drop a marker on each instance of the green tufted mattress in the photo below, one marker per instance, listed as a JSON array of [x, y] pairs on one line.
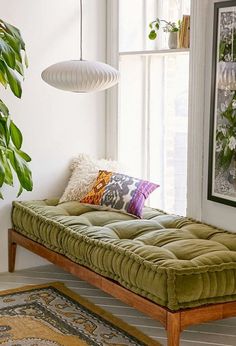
[[171, 260]]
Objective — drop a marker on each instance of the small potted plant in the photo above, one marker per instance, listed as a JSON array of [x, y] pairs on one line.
[[170, 27]]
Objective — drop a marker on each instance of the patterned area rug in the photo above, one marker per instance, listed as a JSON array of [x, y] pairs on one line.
[[52, 315]]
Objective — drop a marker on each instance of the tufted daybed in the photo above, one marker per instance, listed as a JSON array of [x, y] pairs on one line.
[[176, 270]]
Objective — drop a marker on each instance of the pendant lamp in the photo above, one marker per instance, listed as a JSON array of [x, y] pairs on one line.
[[81, 76]]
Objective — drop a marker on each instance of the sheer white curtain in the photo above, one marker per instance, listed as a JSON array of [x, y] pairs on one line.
[[153, 103]]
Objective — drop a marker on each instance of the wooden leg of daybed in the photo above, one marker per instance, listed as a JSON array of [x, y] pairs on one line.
[[173, 328], [11, 252]]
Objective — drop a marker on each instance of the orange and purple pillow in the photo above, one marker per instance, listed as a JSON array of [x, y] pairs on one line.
[[120, 192]]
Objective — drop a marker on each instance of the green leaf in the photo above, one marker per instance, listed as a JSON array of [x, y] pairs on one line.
[[24, 156], [11, 158], [3, 80], [4, 131], [152, 35], [20, 191], [8, 173], [14, 32], [14, 83], [13, 42], [23, 172], [157, 25], [19, 68], [26, 61], [7, 53], [1, 196], [2, 173], [3, 108], [16, 135], [7, 127], [3, 134]]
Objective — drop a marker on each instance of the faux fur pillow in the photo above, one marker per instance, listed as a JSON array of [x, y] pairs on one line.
[[84, 174]]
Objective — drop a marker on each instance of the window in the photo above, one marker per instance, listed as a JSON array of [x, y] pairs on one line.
[[153, 101]]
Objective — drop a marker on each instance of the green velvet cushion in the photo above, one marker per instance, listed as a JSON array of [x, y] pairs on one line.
[[171, 260]]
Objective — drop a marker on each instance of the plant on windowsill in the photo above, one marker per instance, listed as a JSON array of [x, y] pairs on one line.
[[170, 27], [13, 60]]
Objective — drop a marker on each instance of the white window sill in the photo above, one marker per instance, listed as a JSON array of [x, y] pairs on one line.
[[154, 52]]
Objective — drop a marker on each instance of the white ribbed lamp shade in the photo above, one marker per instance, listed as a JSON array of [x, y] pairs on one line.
[[81, 76], [227, 75]]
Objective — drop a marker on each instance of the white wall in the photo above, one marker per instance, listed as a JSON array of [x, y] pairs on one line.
[[198, 206], [56, 125]]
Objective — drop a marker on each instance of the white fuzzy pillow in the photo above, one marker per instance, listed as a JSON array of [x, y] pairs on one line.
[[84, 174]]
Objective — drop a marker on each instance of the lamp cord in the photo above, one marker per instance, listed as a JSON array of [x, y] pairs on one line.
[[81, 30]]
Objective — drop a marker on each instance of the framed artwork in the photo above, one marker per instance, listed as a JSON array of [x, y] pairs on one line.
[[222, 146]]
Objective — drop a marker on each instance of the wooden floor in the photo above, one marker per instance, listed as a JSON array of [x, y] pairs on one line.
[[220, 333]]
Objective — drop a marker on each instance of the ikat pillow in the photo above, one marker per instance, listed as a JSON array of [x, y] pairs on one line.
[[120, 192]]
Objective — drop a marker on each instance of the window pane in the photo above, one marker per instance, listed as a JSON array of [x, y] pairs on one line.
[[157, 85], [168, 130], [153, 103], [131, 26], [131, 114], [135, 16]]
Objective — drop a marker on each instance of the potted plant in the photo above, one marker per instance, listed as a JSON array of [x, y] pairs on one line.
[[170, 27], [13, 60]]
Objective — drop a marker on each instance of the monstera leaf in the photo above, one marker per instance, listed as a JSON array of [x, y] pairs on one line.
[[13, 60]]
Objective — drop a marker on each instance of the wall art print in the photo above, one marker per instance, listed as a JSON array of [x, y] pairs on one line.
[[222, 148]]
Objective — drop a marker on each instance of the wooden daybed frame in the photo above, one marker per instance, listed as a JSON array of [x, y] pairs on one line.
[[174, 322]]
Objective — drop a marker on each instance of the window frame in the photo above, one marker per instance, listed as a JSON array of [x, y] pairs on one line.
[[196, 122]]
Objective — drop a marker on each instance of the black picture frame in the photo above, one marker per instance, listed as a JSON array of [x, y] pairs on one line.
[[216, 176]]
